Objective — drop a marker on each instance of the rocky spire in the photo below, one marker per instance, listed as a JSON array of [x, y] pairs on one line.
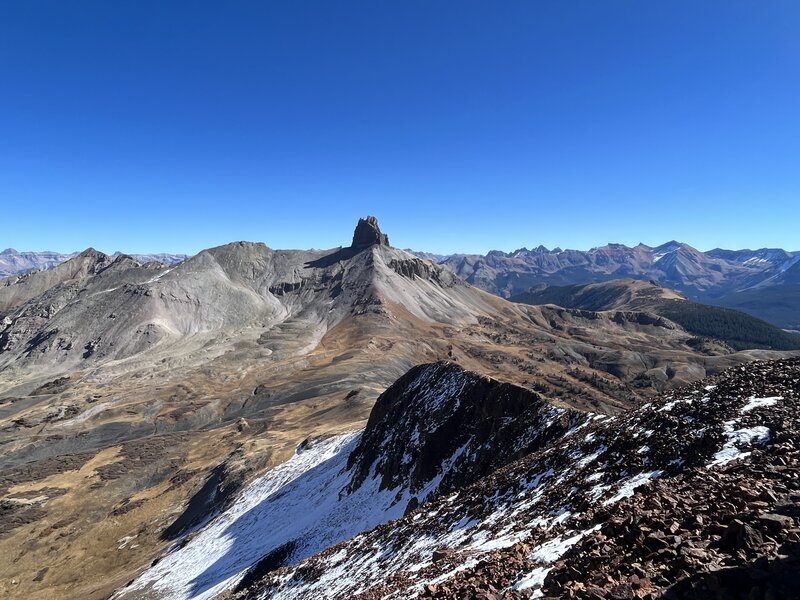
[[368, 233]]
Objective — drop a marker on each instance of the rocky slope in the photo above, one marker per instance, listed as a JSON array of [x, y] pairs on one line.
[[723, 277], [122, 311], [694, 494], [616, 294], [455, 417]]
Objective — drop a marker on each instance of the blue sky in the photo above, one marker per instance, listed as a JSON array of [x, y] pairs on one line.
[[149, 126]]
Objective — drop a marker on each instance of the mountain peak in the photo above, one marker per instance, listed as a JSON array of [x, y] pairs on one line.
[[670, 246], [91, 253], [368, 233]]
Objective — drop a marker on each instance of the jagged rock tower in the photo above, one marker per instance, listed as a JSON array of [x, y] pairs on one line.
[[368, 233]]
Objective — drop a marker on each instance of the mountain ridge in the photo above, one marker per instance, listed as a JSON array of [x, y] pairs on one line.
[[719, 276], [736, 328], [723, 277], [608, 483], [13, 262], [139, 399]]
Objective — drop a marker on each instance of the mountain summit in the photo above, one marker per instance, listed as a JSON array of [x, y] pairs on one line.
[[368, 233]]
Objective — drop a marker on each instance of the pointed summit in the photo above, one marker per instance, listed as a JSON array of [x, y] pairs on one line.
[[368, 233], [92, 253]]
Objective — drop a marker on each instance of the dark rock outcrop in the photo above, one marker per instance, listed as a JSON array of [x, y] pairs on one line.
[[440, 421], [414, 268], [368, 233]]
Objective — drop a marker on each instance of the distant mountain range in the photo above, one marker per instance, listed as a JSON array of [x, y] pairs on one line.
[[764, 283], [13, 262]]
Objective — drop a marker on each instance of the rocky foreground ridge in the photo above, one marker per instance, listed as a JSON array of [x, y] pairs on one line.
[[696, 492], [696, 495]]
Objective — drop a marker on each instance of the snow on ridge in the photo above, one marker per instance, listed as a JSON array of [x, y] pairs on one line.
[[754, 402], [627, 488], [447, 423], [159, 275], [303, 505], [671, 404], [737, 438], [438, 385], [265, 517], [314, 501], [548, 553], [522, 517]]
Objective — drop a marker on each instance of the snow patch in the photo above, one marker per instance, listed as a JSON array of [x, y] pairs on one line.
[[754, 402], [670, 405], [548, 553], [626, 489], [732, 450]]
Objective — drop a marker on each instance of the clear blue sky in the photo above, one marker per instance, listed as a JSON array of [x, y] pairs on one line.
[[148, 126]]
